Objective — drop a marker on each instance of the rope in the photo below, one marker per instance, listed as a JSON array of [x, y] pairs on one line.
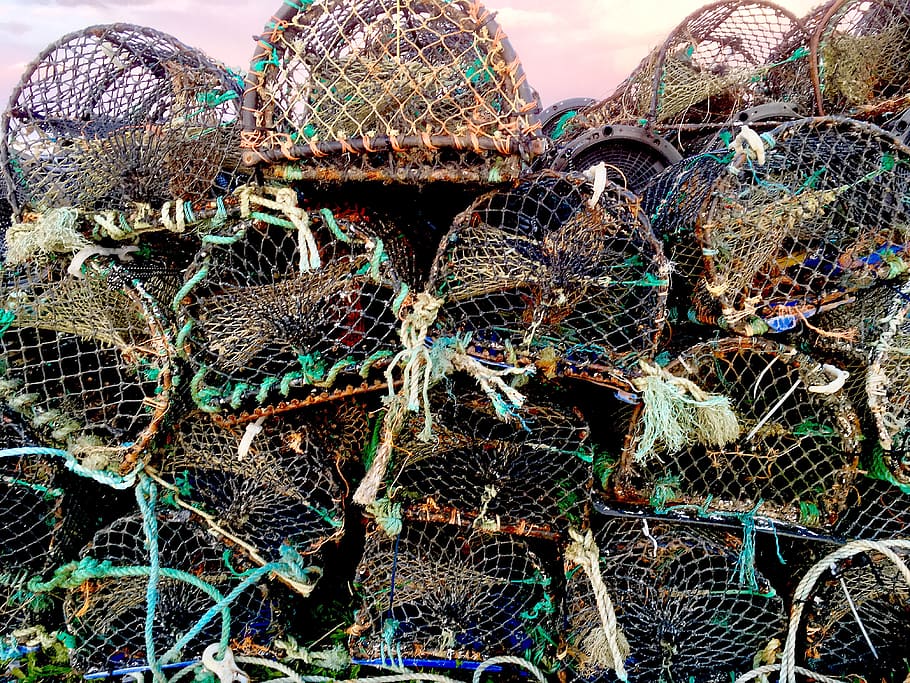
[[506, 659], [771, 668], [108, 479], [146, 494], [583, 551], [285, 201], [335, 659]]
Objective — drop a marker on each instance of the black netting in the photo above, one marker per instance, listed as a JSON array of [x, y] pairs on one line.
[[552, 270], [114, 117], [679, 602], [442, 592], [796, 454]]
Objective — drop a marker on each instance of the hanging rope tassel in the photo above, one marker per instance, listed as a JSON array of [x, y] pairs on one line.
[[54, 232], [285, 202], [606, 645], [677, 413]]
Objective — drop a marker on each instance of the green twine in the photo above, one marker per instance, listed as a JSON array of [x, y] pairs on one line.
[[265, 388], [332, 225], [371, 446], [312, 368], [665, 489], [560, 128], [387, 515], [73, 465], [284, 387], [273, 220], [543, 606], [809, 514], [203, 396], [188, 287], [746, 560], [879, 470], [224, 239], [7, 318], [37, 488], [810, 428]]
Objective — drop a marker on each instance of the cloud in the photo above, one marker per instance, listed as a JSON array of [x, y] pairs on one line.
[[14, 28]]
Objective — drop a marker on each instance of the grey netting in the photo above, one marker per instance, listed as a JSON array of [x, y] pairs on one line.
[[557, 271], [443, 592], [107, 615], [816, 219], [86, 360], [272, 304], [116, 117], [857, 620], [530, 478], [411, 90], [876, 509], [715, 63], [271, 486], [860, 56], [798, 446], [679, 601]]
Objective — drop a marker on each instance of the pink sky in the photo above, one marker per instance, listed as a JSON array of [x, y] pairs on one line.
[[569, 48]]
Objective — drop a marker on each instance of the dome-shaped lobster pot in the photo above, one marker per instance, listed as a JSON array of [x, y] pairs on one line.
[[117, 117], [405, 90]]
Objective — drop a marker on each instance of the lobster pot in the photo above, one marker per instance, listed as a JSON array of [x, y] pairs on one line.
[[886, 381], [857, 619], [448, 593], [716, 62], [796, 454], [271, 307], [533, 478], [555, 271], [107, 616], [406, 90], [271, 486], [86, 359], [680, 603], [819, 219], [860, 56], [120, 118]]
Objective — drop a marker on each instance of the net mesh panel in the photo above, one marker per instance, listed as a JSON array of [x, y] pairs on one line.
[[530, 479], [412, 90], [817, 220], [119, 114], [715, 63], [85, 360], [6, 220], [860, 56], [107, 616], [264, 318], [875, 510], [835, 642], [539, 270], [798, 450], [443, 592], [678, 601], [282, 491], [887, 381]]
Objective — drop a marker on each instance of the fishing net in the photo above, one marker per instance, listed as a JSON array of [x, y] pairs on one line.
[[106, 613], [443, 592], [716, 62], [876, 509], [857, 619], [529, 479], [275, 307], [86, 359], [265, 488], [681, 604], [804, 223], [796, 455], [120, 118], [558, 269], [407, 90], [860, 57]]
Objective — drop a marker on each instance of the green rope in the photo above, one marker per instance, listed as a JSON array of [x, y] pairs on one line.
[[182, 337], [879, 470], [334, 371], [265, 388], [332, 225], [371, 361], [560, 128], [145, 497], [398, 301], [387, 515], [7, 318], [188, 287], [224, 240], [237, 395], [376, 260], [37, 488], [71, 463], [273, 220], [202, 395]]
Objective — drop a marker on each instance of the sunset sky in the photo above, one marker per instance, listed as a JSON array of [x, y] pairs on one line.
[[569, 48]]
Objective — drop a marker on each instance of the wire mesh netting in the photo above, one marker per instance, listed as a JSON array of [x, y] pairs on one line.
[[680, 603], [555, 269], [857, 619], [530, 479], [798, 447], [412, 90], [269, 486], [107, 616], [86, 359], [117, 115], [859, 56], [267, 308], [443, 592]]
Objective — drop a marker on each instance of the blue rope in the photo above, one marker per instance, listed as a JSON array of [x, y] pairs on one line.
[[146, 494], [115, 481]]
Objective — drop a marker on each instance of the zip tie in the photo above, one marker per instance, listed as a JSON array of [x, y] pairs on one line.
[[838, 379], [252, 431], [227, 669], [597, 174], [84, 254]]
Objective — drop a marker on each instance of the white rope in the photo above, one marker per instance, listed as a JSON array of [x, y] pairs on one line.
[[285, 202], [749, 145], [583, 551]]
